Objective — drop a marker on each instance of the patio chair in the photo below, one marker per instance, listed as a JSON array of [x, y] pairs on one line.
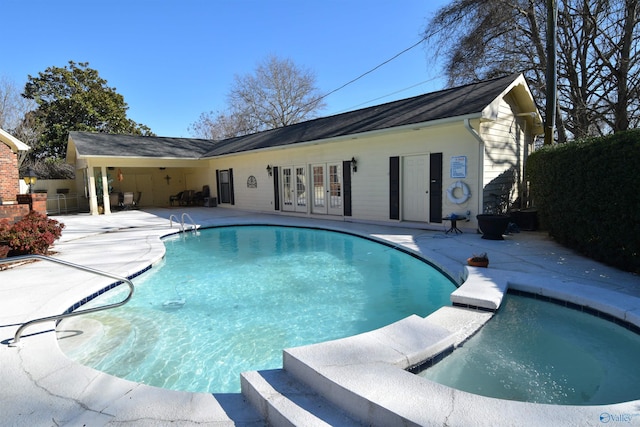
[[127, 200], [175, 198], [200, 196], [114, 200], [187, 198]]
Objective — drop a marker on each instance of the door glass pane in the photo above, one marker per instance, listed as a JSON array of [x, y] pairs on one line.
[[301, 187], [286, 186], [335, 199], [318, 186], [225, 187]]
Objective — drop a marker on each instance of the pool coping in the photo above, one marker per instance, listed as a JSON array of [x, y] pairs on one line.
[[50, 387], [352, 379]]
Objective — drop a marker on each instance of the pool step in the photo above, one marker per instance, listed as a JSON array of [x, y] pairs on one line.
[[366, 374], [283, 401]]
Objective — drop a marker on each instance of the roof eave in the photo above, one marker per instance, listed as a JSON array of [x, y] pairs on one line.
[[522, 93], [14, 143], [377, 132]]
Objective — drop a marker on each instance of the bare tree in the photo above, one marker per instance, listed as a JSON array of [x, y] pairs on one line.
[[13, 107], [278, 93], [218, 125], [597, 53]]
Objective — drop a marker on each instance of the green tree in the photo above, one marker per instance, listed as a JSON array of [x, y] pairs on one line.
[[75, 97]]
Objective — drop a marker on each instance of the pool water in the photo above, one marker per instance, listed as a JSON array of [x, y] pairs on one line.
[[228, 300], [540, 352]]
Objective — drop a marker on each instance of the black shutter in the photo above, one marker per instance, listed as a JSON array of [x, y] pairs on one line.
[[394, 187], [346, 182], [218, 185], [231, 195], [276, 189], [435, 187]]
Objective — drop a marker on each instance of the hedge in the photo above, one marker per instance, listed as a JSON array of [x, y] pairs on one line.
[[588, 196]]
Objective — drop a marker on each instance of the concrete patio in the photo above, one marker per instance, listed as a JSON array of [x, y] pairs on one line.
[[356, 381]]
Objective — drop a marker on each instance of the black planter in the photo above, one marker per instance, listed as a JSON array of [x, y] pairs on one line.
[[493, 226], [526, 219]]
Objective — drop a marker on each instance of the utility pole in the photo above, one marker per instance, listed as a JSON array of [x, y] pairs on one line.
[[551, 74]]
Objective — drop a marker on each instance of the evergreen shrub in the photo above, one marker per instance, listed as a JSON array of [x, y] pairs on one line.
[[588, 198], [33, 234]]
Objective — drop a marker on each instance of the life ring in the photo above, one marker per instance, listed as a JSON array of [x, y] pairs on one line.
[[466, 193]]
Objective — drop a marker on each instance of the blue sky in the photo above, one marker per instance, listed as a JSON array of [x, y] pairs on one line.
[[173, 60]]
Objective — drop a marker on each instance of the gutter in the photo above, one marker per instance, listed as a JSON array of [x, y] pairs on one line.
[[476, 135]]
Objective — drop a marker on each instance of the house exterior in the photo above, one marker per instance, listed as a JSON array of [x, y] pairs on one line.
[[414, 161], [13, 205], [11, 148]]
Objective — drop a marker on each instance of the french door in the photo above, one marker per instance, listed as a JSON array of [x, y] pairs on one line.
[[288, 193], [294, 189], [327, 188]]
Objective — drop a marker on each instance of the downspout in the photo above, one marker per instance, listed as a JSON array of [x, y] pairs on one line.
[[467, 125]]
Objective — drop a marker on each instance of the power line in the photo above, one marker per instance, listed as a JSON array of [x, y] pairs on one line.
[[370, 71], [385, 96]]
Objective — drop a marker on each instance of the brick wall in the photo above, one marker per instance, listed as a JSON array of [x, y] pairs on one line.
[[13, 213], [36, 201], [9, 176], [10, 187]]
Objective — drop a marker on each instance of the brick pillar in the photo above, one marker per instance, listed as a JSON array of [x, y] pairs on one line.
[[36, 201], [39, 203]]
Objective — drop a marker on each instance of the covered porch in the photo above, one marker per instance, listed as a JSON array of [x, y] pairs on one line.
[[149, 172], [119, 185]]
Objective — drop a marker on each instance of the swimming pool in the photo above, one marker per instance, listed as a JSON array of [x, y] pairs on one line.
[[537, 351], [228, 300]]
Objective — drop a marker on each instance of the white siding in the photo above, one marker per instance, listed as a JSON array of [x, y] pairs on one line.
[[506, 145], [370, 184]]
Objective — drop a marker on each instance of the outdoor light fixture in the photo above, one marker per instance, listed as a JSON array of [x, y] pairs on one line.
[[30, 178], [269, 170], [354, 164]]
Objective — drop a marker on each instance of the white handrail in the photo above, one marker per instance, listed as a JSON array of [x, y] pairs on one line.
[[16, 339], [195, 227], [171, 222]]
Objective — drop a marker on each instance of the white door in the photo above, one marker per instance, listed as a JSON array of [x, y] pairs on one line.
[[301, 189], [335, 188], [327, 188], [288, 190], [320, 192], [415, 188]]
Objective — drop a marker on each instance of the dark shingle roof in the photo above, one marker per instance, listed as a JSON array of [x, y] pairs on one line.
[[114, 145], [448, 103], [455, 102]]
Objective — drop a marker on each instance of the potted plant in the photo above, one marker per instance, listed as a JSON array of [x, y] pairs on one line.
[[493, 224], [481, 260], [526, 219]]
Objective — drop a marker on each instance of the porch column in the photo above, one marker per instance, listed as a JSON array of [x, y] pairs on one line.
[[93, 200], [106, 203]]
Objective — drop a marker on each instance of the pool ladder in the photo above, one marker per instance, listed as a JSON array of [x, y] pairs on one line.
[[18, 335], [194, 227]]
